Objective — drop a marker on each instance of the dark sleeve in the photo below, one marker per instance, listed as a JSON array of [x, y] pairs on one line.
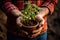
[[50, 4]]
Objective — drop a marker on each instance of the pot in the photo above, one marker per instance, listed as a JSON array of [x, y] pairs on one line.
[[31, 27]]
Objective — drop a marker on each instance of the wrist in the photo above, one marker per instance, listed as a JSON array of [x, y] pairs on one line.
[[16, 12], [43, 12]]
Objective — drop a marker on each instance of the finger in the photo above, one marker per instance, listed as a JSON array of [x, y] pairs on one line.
[[42, 23], [35, 35], [38, 30], [24, 32], [39, 18], [19, 21]]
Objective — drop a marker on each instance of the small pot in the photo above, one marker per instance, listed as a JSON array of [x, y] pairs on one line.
[[33, 27]]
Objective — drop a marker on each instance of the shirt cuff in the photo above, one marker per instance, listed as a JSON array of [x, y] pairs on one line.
[[50, 6]]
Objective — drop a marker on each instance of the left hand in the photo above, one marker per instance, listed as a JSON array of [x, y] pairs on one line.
[[37, 32], [40, 18]]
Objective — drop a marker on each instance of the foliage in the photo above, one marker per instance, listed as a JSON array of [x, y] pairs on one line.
[[30, 12]]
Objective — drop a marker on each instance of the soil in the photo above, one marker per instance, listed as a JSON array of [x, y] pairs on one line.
[[30, 23]]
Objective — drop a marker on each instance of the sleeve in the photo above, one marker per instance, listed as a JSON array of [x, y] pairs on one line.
[[7, 5], [50, 4]]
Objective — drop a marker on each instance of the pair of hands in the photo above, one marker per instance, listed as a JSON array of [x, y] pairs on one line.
[[35, 32], [39, 17]]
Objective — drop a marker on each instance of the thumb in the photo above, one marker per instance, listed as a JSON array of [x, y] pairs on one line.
[[41, 22], [18, 21]]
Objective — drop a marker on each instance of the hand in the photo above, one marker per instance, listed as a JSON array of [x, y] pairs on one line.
[[35, 33], [38, 31], [41, 14], [22, 33], [40, 18]]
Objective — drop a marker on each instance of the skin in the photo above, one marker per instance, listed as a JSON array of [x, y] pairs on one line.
[[39, 17], [16, 12]]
